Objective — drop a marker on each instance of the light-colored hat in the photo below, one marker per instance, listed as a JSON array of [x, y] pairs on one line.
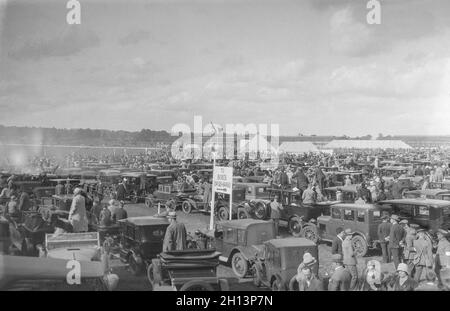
[[77, 191], [348, 231], [403, 267], [172, 215], [404, 221], [308, 260], [114, 202], [395, 217]]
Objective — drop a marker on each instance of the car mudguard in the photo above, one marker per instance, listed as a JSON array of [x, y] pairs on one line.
[[249, 253]]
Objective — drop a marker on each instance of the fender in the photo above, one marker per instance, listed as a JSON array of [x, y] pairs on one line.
[[193, 203], [136, 257], [249, 253]]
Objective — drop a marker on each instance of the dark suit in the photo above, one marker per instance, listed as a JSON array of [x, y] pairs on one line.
[[396, 235], [121, 192], [340, 280], [314, 285], [336, 246], [384, 230]]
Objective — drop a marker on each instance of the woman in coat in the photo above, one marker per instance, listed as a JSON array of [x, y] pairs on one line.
[[77, 213], [402, 281], [423, 258], [372, 278]]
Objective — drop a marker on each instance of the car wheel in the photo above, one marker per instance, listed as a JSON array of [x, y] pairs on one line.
[[260, 211], [197, 286], [135, 268], [310, 232], [223, 213], [150, 274], [277, 285], [148, 203], [186, 206], [295, 226], [239, 265], [359, 245], [242, 213]]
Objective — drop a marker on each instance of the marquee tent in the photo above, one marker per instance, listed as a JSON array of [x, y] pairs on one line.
[[367, 144], [298, 147]]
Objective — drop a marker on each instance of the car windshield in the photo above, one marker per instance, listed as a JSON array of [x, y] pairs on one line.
[[153, 233]]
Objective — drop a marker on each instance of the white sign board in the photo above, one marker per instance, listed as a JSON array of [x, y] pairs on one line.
[[223, 179]]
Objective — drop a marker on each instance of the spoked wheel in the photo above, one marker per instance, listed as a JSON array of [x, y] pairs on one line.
[[149, 202], [359, 245], [150, 274], [295, 226], [239, 265], [310, 232], [242, 214], [223, 213], [260, 211], [186, 206]]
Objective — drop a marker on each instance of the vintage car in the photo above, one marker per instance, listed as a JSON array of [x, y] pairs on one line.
[[186, 270], [141, 239], [445, 184], [136, 186], [238, 240], [435, 194], [50, 274], [427, 213], [168, 192], [338, 178], [84, 246], [349, 193], [279, 259], [363, 219]]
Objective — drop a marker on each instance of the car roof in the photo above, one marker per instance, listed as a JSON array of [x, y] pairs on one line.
[[241, 223], [290, 242], [430, 191], [356, 206], [254, 184], [132, 174], [351, 188], [418, 201], [146, 220]]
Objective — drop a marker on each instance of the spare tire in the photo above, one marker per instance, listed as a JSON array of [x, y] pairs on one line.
[[223, 213], [261, 211]]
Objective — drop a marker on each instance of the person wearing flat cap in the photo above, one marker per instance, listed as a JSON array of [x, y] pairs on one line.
[[442, 260], [349, 257], [176, 235], [423, 258], [77, 214], [402, 281], [396, 235], [384, 229], [341, 278]]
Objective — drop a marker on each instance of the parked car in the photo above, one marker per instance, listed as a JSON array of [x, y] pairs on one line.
[[427, 213], [435, 194], [186, 270], [168, 192], [349, 193], [363, 219], [141, 239], [279, 259], [239, 241]]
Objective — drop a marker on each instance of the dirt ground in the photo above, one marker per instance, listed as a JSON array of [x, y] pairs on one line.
[[198, 220]]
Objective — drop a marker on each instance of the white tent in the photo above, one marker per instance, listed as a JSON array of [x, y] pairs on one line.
[[298, 147], [367, 144]]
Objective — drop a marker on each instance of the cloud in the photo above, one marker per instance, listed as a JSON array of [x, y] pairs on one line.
[[70, 42]]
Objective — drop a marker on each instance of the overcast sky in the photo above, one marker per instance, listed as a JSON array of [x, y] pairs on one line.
[[312, 66]]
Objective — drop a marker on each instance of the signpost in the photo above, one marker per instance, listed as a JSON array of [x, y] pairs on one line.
[[222, 183]]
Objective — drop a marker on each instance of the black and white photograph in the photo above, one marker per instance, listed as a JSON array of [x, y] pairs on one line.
[[240, 146]]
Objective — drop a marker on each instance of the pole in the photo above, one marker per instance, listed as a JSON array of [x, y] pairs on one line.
[[211, 218], [159, 208], [231, 202]]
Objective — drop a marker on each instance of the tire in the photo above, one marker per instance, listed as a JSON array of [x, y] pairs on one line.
[[148, 202], [135, 268], [277, 285], [360, 246], [310, 232], [242, 213], [295, 226], [224, 285], [150, 274], [261, 211], [239, 265], [196, 285], [186, 206], [223, 213]]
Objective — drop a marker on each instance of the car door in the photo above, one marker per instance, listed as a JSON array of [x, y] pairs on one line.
[[334, 223], [348, 218]]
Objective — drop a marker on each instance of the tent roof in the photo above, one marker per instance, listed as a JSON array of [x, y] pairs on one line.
[[298, 147], [367, 144]]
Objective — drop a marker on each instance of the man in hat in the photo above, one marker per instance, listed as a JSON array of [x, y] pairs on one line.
[[301, 180], [309, 196], [396, 189], [442, 260], [423, 258], [275, 212], [384, 229], [349, 257], [364, 193], [77, 213], [341, 278], [119, 213], [409, 252], [175, 237], [307, 279], [59, 188], [396, 234], [336, 244], [121, 190]]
